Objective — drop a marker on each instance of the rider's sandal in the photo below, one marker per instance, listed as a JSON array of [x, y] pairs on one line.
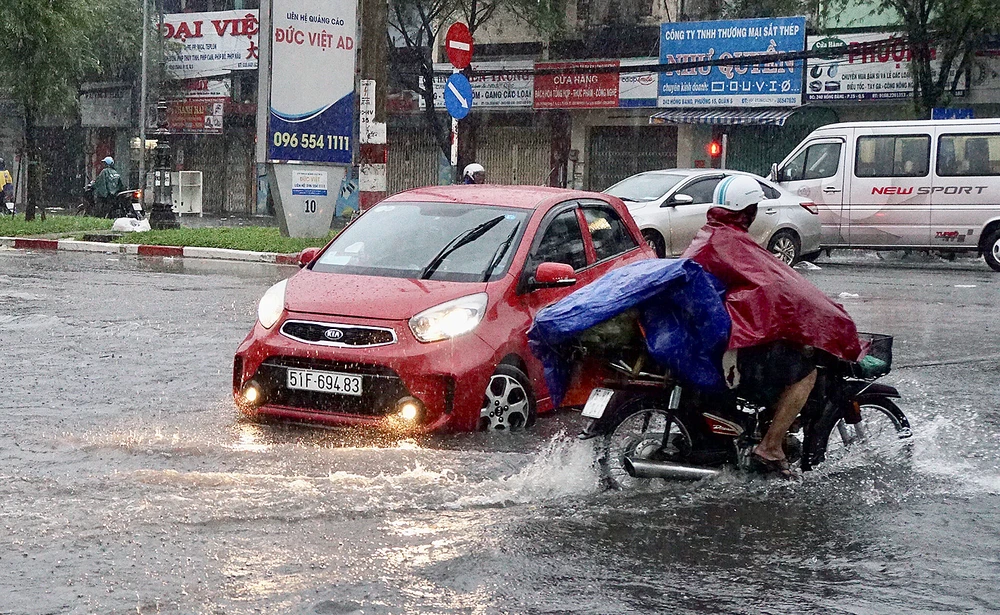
[[779, 467]]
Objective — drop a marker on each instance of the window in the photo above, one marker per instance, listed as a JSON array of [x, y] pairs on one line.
[[769, 192], [608, 232], [893, 156], [975, 154], [815, 162], [701, 190], [562, 242]]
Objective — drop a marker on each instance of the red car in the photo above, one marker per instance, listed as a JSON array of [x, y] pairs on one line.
[[415, 317]]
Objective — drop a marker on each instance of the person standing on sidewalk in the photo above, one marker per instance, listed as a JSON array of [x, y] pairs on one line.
[[107, 185], [6, 188]]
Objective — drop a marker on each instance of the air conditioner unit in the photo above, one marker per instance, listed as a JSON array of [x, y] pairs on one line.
[[187, 192]]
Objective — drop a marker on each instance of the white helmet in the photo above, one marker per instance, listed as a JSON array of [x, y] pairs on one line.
[[472, 169], [737, 192]]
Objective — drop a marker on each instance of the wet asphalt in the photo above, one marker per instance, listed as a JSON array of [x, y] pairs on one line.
[[128, 485]]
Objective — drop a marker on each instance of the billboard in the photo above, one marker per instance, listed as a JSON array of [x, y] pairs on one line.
[[576, 85], [512, 89], [209, 44], [312, 81], [771, 84], [876, 67]]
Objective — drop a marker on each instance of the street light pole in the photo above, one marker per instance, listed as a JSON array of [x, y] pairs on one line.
[[143, 93]]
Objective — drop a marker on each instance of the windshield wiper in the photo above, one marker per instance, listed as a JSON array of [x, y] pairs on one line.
[[501, 251], [465, 238]]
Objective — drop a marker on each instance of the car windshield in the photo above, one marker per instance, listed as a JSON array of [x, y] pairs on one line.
[[644, 187], [438, 241]]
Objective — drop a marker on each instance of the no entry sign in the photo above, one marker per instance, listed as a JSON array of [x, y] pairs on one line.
[[458, 45]]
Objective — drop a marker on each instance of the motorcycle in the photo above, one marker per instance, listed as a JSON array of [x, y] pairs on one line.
[[648, 425], [125, 204]]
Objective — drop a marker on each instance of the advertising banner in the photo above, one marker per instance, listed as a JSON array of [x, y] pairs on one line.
[[105, 105], [513, 89], [203, 117], [772, 84], [876, 67], [312, 81], [637, 89], [208, 44], [205, 88], [576, 85]]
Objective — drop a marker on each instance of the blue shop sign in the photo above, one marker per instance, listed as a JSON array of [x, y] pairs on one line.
[[772, 84]]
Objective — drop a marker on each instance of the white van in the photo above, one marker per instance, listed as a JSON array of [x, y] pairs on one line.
[[931, 184]]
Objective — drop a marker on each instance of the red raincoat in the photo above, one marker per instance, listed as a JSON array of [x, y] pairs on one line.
[[766, 299]]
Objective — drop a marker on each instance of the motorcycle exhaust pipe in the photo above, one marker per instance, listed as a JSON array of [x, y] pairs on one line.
[[645, 468]]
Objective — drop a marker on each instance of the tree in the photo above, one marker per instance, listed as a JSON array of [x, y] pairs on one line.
[[417, 24], [47, 47]]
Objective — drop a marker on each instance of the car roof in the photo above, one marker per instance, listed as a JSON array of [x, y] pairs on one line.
[[692, 172], [524, 197]]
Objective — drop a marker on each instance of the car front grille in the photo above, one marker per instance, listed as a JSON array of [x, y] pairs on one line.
[[381, 387], [332, 334]]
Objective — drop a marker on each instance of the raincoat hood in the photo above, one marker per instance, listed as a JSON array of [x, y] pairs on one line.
[[766, 299]]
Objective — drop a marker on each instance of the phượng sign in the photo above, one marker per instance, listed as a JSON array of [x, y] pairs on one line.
[[312, 81], [768, 84]]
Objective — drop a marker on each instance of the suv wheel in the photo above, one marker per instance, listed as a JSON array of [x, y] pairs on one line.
[[785, 246]]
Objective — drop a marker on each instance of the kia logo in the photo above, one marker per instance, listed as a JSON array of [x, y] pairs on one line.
[[333, 334]]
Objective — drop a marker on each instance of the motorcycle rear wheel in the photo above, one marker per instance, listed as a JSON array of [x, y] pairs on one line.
[[648, 429], [881, 421]]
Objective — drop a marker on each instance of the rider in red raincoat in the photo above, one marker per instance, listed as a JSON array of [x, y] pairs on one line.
[[779, 318]]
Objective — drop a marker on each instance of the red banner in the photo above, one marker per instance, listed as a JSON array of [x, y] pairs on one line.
[[201, 116], [576, 85]]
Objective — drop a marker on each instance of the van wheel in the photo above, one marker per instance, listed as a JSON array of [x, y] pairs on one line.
[[991, 251], [655, 240], [785, 246]]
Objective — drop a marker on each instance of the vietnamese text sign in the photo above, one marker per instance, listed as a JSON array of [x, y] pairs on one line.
[[876, 67], [576, 85], [210, 43], [105, 105], [514, 88], [312, 81], [195, 116], [309, 183], [770, 84]]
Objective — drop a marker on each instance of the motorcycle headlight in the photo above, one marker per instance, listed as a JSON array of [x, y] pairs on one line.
[[271, 304], [451, 319]]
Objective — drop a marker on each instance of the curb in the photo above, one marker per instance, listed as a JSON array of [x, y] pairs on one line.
[[72, 245]]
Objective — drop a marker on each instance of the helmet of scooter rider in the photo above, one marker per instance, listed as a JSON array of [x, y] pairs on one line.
[[737, 192], [108, 161]]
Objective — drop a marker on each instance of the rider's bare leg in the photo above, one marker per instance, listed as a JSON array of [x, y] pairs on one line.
[[790, 403]]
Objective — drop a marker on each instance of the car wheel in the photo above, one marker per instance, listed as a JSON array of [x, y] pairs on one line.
[[655, 240], [991, 251], [785, 245], [508, 404]]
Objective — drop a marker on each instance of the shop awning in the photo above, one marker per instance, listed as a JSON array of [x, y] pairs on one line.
[[767, 117]]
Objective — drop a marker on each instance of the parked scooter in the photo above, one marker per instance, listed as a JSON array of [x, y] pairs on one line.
[[125, 204], [650, 426]]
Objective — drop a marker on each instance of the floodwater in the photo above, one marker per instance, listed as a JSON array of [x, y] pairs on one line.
[[129, 486]]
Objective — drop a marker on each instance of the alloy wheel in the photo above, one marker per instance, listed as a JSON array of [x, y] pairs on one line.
[[505, 405]]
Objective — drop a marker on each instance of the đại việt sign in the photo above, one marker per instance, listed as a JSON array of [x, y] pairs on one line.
[[210, 44]]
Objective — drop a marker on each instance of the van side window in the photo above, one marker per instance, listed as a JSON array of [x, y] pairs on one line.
[[815, 162], [893, 156], [972, 154]]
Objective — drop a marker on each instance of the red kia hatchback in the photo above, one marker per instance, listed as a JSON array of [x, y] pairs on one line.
[[415, 316]]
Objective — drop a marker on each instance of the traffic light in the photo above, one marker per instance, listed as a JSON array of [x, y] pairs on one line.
[[714, 149]]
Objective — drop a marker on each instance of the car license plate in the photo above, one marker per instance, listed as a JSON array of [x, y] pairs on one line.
[[597, 403], [324, 382]]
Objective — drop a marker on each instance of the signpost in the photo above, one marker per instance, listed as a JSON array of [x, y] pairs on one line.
[[458, 90]]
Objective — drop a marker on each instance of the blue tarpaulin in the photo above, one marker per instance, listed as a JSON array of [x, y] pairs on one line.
[[681, 311]]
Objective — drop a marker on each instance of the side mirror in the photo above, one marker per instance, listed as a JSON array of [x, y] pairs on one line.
[[679, 199], [307, 256], [553, 275], [774, 172]]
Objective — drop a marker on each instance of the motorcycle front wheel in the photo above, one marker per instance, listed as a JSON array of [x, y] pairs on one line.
[[648, 430], [881, 421]]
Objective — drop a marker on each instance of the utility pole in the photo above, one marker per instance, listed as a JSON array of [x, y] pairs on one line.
[[373, 151], [143, 95]]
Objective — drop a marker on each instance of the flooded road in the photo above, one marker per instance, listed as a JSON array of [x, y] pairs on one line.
[[129, 486]]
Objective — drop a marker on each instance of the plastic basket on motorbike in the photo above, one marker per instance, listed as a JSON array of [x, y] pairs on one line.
[[878, 361]]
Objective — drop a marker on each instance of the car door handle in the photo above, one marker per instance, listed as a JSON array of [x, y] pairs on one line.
[[770, 211], [831, 190]]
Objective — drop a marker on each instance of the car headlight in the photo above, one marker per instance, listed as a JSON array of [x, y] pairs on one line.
[[271, 304], [451, 319]]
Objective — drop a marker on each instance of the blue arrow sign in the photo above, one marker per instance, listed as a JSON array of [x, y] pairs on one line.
[[458, 96]]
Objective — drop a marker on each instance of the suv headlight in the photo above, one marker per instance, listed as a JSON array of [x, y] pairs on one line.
[[271, 305], [451, 319]]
